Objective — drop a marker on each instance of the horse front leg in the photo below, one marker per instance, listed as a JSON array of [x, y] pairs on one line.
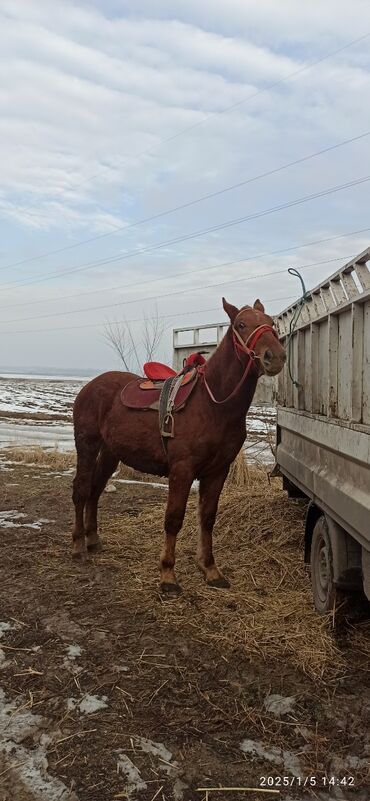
[[210, 488], [179, 484]]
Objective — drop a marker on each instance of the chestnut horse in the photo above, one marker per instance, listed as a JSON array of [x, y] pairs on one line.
[[209, 433]]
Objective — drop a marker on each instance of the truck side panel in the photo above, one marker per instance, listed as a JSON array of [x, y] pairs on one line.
[[319, 457], [323, 443]]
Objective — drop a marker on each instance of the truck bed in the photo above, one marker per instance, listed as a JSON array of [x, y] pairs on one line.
[[323, 425]]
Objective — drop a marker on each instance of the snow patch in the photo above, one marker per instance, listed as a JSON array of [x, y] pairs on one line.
[[165, 764], [131, 773], [73, 651], [157, 749], [29, 765], [348, 764], [88, 704], [7, 520], [171, 768], [4, 627], [279, 705], [155, 484], [275, 755]]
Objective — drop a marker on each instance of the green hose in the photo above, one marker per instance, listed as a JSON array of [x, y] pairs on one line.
[[294, 321]]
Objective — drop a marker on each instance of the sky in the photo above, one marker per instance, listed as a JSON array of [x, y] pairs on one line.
[[114, 114]]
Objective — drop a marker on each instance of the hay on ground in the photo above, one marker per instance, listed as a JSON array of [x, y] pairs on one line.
[[239, 472], [268, 615], [42, 457]]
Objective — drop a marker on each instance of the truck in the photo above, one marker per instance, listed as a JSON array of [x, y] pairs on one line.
[[323, 428]]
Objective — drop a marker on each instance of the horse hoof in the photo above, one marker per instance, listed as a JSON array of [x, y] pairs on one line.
[[95, 547], [170, 589], [79, 556], [219, 583]]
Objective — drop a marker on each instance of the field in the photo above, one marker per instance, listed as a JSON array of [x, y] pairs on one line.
[[38, 411], [109, 691]]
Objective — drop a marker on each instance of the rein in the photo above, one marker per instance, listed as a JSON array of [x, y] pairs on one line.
[[246, 347]]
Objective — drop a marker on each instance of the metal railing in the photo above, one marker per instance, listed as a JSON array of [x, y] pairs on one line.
[[349, 284]]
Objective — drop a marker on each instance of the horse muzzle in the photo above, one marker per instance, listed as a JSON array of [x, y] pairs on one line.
[[272, 363]]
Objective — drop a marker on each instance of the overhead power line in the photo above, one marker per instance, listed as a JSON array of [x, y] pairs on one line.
[[195, 234], [186, 273], [169, 294], [136, 319], [188, 204]]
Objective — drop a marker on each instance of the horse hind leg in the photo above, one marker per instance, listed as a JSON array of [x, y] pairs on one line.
[[105, 465], [87, 452]]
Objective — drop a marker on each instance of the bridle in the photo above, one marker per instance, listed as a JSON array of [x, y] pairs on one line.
[[244, 347]]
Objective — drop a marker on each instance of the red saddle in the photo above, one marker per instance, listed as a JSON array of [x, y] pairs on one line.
[[145, 394], [157, 371]]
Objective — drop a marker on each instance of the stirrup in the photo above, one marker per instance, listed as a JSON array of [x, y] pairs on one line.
[[168, 426]]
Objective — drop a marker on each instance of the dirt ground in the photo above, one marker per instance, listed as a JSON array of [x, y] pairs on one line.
[[109, 691]]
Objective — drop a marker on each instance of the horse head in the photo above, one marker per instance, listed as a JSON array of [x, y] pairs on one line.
[[254, 333]]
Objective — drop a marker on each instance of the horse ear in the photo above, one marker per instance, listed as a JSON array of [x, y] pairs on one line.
[[259, 306], [230, 310]]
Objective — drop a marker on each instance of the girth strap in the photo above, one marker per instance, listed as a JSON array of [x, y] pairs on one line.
[[166, 405]]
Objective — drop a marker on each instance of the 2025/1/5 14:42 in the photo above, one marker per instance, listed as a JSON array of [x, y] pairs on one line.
[[306, 781]]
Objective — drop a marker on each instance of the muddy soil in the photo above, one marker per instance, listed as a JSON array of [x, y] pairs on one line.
[[104, 695]]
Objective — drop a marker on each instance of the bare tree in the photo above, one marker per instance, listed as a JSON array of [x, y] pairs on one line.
[[116, 337], [153, 330], [120, 338]]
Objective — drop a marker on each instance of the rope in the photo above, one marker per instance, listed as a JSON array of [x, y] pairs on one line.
[[294, 322]]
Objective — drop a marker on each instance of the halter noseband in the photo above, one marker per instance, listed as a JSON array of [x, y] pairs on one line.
[[245, 347], [250, 344]]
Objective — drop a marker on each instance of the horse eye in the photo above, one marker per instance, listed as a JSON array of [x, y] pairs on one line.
[[241, 325]]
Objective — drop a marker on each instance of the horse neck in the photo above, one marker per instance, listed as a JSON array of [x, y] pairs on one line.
[[223, 372]]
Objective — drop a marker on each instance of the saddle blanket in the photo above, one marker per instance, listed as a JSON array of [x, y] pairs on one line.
[[144, 394]]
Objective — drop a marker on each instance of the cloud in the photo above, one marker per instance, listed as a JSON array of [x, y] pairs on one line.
[[92, 97]]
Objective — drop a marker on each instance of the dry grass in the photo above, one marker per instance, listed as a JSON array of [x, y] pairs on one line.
[[63, 460], [36, 455], [56, 459], [134, 475], [239, 473], [268, 614]]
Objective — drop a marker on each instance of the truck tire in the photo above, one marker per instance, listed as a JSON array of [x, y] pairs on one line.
[[322, 576]]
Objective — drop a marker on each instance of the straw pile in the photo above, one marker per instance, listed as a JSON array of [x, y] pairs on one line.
[[268, 615], [239, 473]]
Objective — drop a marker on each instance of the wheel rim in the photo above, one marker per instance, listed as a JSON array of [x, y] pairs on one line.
[[323, 567], [322, 571]]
